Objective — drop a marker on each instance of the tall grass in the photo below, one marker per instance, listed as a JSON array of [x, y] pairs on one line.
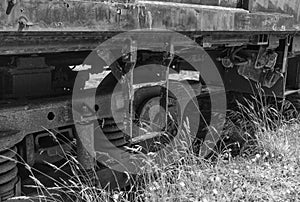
[[266, 169]]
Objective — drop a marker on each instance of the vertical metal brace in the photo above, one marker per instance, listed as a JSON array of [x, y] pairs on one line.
[[85, 147], [165, 91], [29, 149], [128, 89], [285, 63], [133, 60], [285, 56]]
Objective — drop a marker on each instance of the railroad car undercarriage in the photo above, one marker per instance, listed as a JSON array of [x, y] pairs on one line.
[[41, 63]]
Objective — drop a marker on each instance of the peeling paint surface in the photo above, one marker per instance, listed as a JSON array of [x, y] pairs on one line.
[[178, 15]]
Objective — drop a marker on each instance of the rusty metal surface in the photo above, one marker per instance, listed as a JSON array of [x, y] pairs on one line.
[[76, 25], [32, 116], [40, 42], [226, 3], [8, 172], [18, 43], [9, 138], [291, 7], [29, 118], [71, 15]]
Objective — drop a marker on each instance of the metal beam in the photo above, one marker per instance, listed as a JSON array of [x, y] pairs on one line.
[[38, 115]]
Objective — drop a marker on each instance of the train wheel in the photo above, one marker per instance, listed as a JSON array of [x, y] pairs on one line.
[[147, 112], [150, 119], [293, 110]]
